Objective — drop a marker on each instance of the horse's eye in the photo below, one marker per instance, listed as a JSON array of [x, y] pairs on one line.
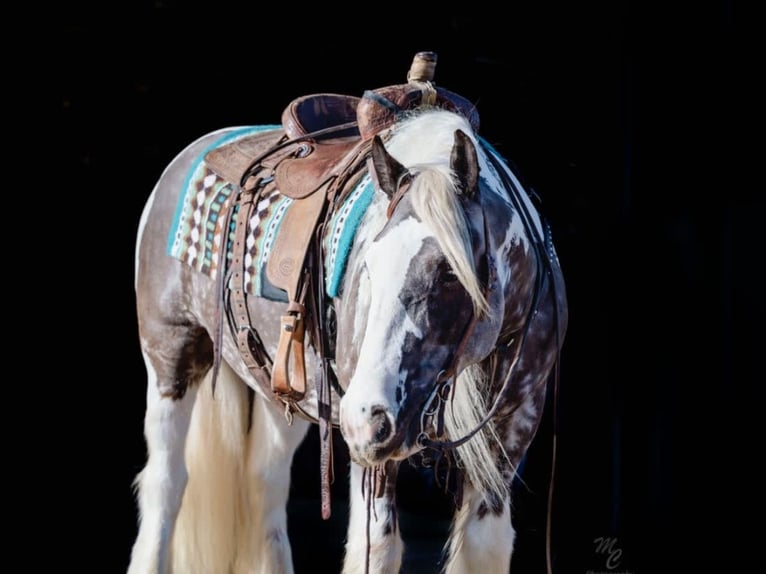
[[449, 277]]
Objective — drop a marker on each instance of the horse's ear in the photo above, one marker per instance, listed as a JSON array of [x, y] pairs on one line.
[[465, 164], [387, 170]]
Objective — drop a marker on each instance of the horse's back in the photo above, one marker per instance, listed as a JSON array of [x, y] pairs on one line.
[[159, 210]]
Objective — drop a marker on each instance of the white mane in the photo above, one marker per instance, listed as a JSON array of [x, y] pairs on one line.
[[433, 191]]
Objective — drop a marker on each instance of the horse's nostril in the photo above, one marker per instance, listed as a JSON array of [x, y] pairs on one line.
[[381, 424]]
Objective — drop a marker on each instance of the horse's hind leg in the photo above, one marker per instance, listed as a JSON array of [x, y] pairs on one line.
[[172, 370], [264, 546]]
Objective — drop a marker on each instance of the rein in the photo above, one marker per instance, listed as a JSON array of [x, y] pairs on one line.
[[543, 246]]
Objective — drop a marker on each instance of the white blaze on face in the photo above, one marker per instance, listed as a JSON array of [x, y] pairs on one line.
[[387, 262]]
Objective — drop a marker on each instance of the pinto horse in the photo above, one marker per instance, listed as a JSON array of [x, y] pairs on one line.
[[442, 313]]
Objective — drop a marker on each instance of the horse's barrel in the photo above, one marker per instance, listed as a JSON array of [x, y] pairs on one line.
[[381, 108]]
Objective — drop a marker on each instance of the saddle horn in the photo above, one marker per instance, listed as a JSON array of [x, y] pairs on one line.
[[381, 108]]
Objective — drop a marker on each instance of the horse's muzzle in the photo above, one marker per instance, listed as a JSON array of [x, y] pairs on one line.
[[370, 433]]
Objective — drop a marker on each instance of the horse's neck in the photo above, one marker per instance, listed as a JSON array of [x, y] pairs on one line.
[[352, 301]]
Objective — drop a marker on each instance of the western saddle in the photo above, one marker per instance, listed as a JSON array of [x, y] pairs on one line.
[[315, 158]]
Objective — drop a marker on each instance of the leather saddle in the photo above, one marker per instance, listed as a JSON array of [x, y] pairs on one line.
[[314, 158], [314, 154]]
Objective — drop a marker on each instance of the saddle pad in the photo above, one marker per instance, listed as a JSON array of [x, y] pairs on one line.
[[341, 231], [196, 235]]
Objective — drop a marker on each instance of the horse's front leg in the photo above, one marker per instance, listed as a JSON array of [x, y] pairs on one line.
[[374, 543], [481, 539]]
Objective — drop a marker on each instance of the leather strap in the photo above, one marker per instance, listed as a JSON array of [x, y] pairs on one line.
[[220, 288], [402, 186], [285, 270], [291, 335], [248, 342]]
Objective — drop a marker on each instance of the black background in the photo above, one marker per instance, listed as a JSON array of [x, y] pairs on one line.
[[631, 121]]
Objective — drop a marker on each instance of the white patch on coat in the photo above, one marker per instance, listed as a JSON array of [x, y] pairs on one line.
[[387, 261], [495, 183], [162, 481], [385, 549], [480, 544]]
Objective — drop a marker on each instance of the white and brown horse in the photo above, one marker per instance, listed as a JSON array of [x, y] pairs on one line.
[[448, 314]]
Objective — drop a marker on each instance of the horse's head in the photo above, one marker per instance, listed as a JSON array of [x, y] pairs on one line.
[[419, 302]]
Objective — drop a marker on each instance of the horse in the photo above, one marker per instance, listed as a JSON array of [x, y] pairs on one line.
[[433, 324]]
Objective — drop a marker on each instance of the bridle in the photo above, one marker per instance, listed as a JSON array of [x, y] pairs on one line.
[[432, 414], [433, 410]]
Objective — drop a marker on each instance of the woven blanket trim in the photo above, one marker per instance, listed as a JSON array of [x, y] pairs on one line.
[[343, 226], [237, 134]]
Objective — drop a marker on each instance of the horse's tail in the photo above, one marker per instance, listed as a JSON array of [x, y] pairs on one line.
[[211, 521]]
